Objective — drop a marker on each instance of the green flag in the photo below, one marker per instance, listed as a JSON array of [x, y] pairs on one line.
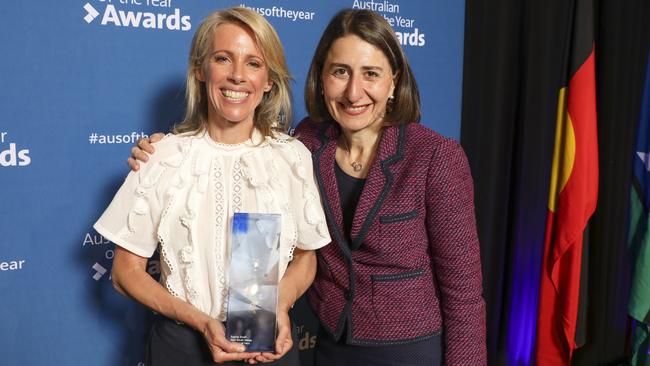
[[639, 240]]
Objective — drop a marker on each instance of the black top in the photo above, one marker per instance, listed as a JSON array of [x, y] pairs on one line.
[[349, 192]]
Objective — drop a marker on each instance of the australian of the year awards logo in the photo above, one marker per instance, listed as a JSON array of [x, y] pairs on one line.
[[148, 14], [405, 28], [12, 154]]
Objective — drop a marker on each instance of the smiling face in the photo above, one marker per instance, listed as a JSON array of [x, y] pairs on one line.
[[235, 76], [357, 82]]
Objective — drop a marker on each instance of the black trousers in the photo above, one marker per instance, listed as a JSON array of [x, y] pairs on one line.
[[173, 344], [427, 352]]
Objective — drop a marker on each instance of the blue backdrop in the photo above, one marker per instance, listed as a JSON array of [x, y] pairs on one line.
[[81, 81]]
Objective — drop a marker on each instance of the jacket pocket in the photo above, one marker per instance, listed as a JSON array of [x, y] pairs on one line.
[[398, 297], [404, 216], [397, 231], [397, 276]]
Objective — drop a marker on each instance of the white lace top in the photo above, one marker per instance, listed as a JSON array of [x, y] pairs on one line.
[[182, 202]]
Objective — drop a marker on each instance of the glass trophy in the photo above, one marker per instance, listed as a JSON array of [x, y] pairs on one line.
[[253, 287]]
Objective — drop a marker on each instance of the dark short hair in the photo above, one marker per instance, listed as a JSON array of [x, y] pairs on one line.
[[374, 29]]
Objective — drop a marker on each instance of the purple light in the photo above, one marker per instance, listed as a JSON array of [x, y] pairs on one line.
[[524, 290]]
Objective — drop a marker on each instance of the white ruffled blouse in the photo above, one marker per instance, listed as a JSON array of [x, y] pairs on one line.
[[182, 202]]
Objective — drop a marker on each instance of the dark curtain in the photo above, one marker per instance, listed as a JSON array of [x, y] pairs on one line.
[[512, 76]]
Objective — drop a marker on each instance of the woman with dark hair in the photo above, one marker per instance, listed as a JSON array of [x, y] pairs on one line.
[[400, 284]]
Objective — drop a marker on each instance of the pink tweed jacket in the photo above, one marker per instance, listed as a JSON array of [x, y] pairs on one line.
[[413, 267]]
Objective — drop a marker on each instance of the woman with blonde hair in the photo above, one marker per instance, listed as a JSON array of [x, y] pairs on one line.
[[227, 156]]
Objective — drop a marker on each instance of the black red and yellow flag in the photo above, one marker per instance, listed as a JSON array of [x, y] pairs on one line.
[[573, 194]]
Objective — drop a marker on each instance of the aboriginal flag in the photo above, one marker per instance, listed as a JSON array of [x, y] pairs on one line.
[[573, 193]]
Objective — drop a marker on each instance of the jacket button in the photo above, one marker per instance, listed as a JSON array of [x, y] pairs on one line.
[[348, 295]]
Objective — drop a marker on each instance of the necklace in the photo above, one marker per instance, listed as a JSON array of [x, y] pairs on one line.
[[356, 165]]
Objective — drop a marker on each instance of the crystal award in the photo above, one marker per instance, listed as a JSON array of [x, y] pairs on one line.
[[253, 285]]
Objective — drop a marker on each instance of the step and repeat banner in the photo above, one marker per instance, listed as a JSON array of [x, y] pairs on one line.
[[81, 82]]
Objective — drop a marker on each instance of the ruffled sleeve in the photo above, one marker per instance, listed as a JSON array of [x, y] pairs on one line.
[[131, 220]]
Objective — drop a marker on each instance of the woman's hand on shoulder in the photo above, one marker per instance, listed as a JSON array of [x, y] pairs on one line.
[[141, 151]]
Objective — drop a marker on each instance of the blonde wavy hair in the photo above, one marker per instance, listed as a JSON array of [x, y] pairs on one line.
[[274, 111]]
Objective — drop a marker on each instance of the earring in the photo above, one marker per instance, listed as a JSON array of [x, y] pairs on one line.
[[389, 104]]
